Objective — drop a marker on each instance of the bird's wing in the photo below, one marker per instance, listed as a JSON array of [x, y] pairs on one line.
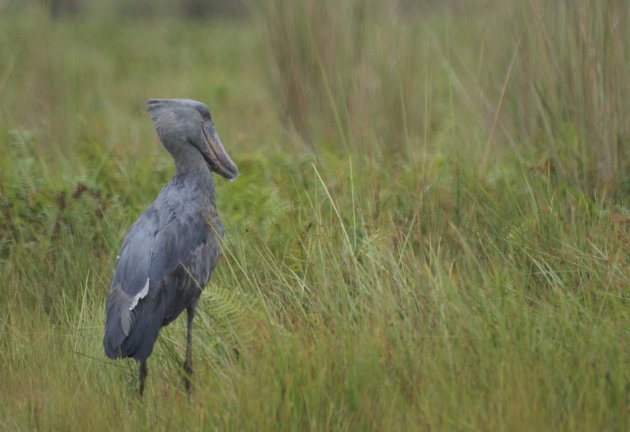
[[155, 245]]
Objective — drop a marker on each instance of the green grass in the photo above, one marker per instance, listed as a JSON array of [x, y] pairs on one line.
[[431, 230]]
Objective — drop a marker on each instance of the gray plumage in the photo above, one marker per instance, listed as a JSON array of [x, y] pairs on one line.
[[170, 252]]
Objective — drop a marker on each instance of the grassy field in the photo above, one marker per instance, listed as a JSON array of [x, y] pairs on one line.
[[431, 230]]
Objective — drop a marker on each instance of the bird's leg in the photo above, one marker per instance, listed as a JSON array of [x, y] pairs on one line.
[[188, 362], [143, 374]]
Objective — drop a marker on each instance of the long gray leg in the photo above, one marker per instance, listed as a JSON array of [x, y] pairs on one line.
[[188, 362], [143, 374]]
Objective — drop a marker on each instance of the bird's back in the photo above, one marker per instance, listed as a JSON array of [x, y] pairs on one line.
[[166, 259]]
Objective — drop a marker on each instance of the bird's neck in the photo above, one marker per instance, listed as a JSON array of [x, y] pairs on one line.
[[195, 171], [188, 160]]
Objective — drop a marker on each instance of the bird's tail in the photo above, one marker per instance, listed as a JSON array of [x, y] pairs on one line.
[[118, 322], [132, 324]]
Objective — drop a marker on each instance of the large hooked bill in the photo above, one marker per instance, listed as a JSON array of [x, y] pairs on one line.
[[215, 154]]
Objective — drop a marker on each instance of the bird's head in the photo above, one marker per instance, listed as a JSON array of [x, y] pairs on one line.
[[186, 129]]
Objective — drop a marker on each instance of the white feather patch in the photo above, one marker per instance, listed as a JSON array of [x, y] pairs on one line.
[[142, 294]]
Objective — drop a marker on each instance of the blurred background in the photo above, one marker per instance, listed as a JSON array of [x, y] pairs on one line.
[[520, 77], [430, 230]]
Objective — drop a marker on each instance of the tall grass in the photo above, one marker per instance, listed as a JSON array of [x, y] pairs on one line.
[[438, 258], [337, 75], [547, 75], [571, 92]]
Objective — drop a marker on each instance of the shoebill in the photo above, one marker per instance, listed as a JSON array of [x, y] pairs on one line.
[[170, 252]]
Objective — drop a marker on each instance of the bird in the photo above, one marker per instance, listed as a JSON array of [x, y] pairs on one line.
[[170, 252]]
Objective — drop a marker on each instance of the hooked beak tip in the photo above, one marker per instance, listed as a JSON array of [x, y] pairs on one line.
[[231, 173]]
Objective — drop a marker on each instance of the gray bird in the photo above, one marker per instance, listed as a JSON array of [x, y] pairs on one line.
[[171, 250]]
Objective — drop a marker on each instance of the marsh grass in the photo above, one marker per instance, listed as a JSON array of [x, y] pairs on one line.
[[421, 252], [571, 90], [535, 78]]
